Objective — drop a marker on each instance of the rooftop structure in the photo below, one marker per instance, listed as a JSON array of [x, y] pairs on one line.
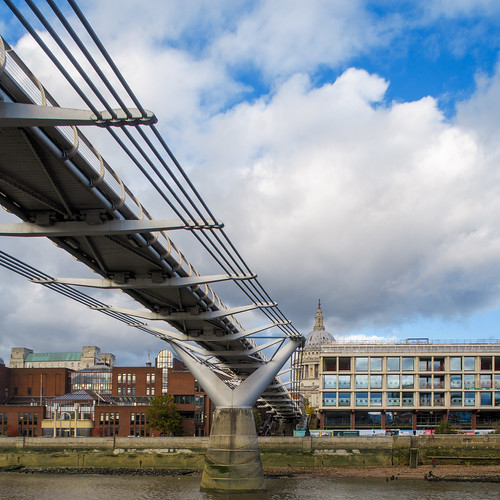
[[319, 335], [22, 357], [309, 359]]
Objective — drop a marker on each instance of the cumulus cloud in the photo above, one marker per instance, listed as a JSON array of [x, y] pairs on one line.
[[384, 210]]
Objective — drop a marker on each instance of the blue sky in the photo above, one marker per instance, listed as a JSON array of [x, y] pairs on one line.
[[350, 148]]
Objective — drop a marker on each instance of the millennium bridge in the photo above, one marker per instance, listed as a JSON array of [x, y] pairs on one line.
[[60, 187]]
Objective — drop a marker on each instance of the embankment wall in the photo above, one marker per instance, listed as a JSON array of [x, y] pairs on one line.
[[189, 452]]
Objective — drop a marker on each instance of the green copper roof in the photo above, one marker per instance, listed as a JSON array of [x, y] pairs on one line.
[[53, 356]]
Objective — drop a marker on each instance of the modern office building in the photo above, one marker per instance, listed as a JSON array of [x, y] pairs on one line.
[[413, 385]]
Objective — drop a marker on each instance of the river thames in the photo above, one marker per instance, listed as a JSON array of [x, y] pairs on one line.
[[74, 487]]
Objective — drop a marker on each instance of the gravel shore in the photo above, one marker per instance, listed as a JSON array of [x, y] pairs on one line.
[[488, 473], [441, 472]]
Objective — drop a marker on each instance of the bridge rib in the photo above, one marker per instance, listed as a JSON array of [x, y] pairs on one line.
[[141, 253]]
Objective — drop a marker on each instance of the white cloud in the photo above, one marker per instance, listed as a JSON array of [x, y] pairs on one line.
[[385, 211]]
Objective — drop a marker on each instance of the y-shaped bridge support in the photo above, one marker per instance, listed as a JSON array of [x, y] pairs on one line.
[[232, 461]]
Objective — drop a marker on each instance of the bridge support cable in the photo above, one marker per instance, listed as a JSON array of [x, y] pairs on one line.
[[253, 289], [181, 340], [192, 307]]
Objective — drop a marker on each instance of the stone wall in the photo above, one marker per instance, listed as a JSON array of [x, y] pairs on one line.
[[189, 452]]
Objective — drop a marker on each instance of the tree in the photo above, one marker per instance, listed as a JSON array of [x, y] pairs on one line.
[[444, 428], [164, 416], [258, 419]]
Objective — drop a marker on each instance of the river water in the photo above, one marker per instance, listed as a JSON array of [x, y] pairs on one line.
[[75, 487]]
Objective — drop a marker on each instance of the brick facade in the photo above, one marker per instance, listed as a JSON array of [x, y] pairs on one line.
[[122, 413]]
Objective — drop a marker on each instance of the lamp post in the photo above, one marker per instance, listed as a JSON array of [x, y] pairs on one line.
[[21, 419]]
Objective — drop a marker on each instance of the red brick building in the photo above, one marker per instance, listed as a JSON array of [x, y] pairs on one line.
[[99, 401], [24, 394]]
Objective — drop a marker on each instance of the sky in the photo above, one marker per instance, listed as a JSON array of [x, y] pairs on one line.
[[349, 147]]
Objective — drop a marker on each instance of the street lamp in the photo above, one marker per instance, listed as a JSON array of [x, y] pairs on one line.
[[21, 419]]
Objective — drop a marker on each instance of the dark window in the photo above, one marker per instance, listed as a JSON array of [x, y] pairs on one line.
[[29, 391], [184, 399], [486, 363], [330, 364], [344, 364]]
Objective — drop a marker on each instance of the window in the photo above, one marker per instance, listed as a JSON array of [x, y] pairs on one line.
[[393, 399], [455, 381], [393, 381], [119, 378], [345, 364], [438, 399], [329, 381], [438, 382], [329, 399], [497, 363], [469, 398], [485, 363], [361, 399], [375, 381], [456, 398], [393, 364], [455, 364], [407, 399], [497, 398], [407, 364], [497, 381], [469, 381], [438, 364], [425, 382], [485, 398], [469, 363], [344, 381], [376, 364], [407, 381], [187, 399], [361, 364], [361, 381], [376, 399], [330, 364], [344, 399], [425, 365], [425, 399], [485, 381]]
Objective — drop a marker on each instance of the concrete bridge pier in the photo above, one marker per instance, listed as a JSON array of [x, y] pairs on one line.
[[232, 461]]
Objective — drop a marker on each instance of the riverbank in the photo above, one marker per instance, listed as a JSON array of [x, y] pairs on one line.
[[441, 473], [488, 473]]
